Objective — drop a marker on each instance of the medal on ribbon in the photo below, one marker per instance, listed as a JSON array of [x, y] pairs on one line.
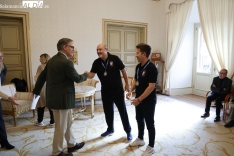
[[137, 83], [105, 67]]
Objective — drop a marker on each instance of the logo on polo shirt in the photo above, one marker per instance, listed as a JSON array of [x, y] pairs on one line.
[[111, 63], [143, 73]]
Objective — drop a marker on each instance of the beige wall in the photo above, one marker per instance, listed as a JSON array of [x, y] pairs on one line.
[[81, 20]]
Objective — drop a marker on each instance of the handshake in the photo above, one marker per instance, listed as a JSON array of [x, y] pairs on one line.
[[90, 75]]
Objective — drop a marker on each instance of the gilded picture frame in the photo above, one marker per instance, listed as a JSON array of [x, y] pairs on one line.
[[74, 59]]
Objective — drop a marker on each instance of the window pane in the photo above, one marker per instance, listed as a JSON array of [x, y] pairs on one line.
[[203, 56]]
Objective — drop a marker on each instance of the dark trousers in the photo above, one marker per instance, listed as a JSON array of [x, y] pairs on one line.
[[145, 114], [108, 106], [40, 115], [218, 102], [3, 135]]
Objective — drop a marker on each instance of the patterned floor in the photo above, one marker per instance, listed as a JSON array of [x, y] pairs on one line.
[[180, 132]]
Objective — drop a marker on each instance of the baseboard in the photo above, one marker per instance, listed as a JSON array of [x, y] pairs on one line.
[[181, 91], [199, 92]]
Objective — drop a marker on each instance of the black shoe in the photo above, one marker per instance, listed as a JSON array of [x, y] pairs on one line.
[[65, 154], [229, 124], [205, 115], [217, 119], [129, 136], [105, 134], [76, 147], [5, 144]]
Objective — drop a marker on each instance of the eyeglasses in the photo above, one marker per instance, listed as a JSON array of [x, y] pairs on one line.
[[222, 73], [71, 46]]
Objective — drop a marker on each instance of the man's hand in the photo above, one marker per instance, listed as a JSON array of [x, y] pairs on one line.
[[136, 101], [214, 85], [129, 95], [13, 100], [90, 75], [224, 89]]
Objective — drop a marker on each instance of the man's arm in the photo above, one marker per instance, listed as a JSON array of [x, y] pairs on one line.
[[227, 88], [72, 73], [90, 75], [133, 86], [213, 86], [146, 93], [125, 76]]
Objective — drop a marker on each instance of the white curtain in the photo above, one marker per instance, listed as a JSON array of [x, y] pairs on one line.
[[217, 22], [177, 20]]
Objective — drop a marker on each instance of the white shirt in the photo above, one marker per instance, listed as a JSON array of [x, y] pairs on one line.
[[64, 54]]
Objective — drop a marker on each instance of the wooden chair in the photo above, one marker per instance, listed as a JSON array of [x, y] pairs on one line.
[[24, 101], [226, 100]]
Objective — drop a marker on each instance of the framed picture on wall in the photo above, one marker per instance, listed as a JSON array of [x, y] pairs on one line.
[[156, 56], [74, 59]]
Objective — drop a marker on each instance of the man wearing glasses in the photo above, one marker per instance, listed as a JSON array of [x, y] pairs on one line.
[[220, 87], [60, 76]]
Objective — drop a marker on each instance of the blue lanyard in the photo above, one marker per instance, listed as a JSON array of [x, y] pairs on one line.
[[142, 69], [105, 65]]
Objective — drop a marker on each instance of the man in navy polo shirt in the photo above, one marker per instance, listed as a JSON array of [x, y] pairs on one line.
[[108, 69], [145, 100]]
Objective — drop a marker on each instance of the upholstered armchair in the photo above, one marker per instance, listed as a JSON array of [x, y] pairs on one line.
[[24, 101]]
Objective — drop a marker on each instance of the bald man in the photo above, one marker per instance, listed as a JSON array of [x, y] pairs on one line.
[[220, 87], [108, 67]]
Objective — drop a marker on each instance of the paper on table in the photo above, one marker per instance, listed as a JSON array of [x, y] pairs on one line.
[[34, 102]]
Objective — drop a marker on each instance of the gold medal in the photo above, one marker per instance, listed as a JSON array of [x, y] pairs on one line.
[[105, 73], [137, 83]]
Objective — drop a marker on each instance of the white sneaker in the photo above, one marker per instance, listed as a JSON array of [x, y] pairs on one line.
[[149, 151], [137, 142], [36, 123], [50, 125]]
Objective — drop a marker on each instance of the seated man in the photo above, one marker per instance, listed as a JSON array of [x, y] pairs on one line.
[[220, 87], [230, 123]]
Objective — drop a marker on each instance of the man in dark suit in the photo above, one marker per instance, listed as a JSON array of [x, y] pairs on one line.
[[60, 75], [220, 87]]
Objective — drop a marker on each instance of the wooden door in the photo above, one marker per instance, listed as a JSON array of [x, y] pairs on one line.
[[12, 45], [122, 42]]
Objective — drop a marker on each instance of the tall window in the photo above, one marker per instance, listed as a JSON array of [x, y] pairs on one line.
[[204, 63]]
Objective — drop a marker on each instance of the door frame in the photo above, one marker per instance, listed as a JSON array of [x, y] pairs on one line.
[[197, 91], [142, 26], [24, 16]]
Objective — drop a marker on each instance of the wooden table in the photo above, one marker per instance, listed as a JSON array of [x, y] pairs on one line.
[[82, 92]]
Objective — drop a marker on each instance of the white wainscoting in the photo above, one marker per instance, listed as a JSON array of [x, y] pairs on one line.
[[181, 91]]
